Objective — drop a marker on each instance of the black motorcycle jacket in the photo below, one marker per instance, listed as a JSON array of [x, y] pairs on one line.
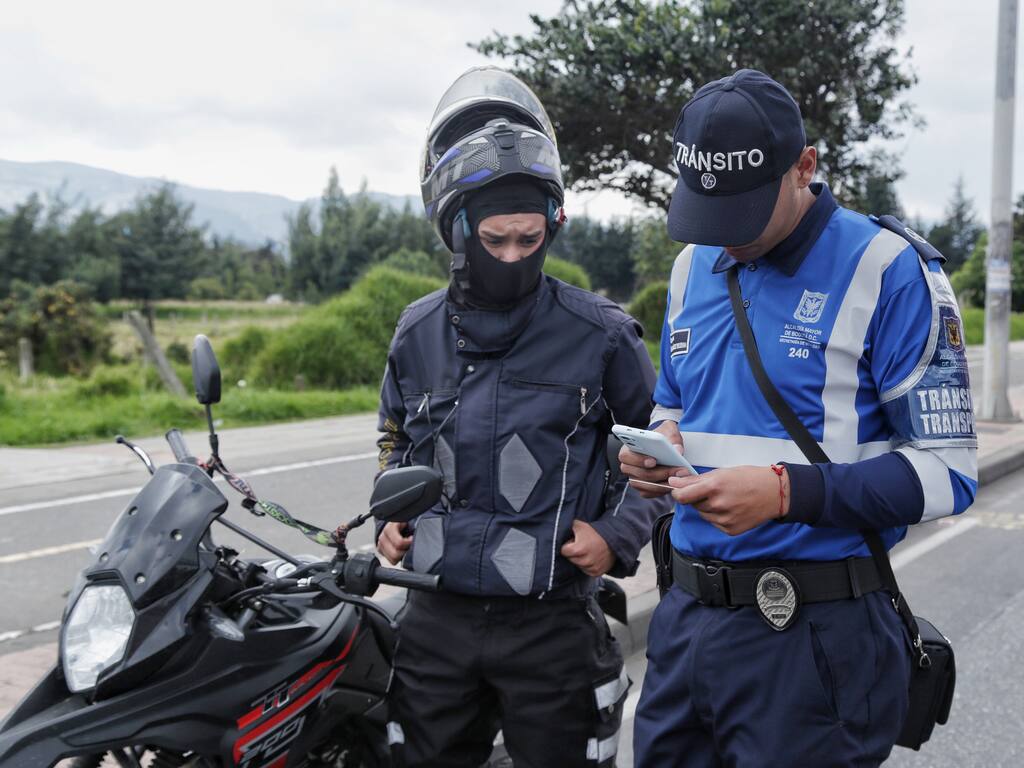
[[514, 407]]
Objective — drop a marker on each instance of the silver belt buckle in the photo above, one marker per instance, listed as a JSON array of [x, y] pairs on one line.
[[777, 598]]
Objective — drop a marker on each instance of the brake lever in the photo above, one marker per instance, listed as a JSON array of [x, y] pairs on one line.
[[122, 440]]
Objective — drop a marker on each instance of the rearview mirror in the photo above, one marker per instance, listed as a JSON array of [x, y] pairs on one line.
[[205, 371], [402, 494]]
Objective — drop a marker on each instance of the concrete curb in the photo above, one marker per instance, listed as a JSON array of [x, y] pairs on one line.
[[632, 637]]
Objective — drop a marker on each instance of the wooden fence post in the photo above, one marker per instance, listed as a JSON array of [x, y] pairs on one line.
[[156, 355], [25, 368]]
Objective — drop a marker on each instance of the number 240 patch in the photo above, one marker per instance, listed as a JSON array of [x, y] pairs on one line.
[[801, 352]]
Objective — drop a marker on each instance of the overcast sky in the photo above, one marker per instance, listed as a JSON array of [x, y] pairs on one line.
[[266, 96]]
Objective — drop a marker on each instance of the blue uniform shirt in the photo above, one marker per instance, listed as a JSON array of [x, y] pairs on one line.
[[862, 337]]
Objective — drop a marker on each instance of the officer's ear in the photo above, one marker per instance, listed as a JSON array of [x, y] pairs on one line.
[[805, 167]]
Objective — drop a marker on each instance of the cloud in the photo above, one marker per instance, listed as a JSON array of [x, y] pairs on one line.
[[268, 95]]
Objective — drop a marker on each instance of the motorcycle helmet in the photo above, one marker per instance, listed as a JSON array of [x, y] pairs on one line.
[[488, 125]]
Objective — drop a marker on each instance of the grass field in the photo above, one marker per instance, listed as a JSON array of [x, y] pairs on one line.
[[177, 322], [127, 398], [63, 410]]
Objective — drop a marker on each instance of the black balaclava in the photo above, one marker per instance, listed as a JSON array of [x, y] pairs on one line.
[[495, 284]]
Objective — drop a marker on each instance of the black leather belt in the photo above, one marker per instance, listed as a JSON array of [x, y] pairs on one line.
[[733, 584]]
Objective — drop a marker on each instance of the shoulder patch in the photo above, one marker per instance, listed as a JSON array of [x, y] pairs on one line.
[[925, 250]]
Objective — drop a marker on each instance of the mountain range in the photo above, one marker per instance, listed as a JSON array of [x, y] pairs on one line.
[[249, 217]]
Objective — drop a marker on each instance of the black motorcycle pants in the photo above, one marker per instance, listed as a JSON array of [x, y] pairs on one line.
[[548, 673]]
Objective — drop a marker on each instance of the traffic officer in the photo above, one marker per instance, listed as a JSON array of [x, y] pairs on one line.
[[507, 382], [859, 330]]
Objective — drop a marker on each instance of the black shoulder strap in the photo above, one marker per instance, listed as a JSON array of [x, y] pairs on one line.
[[816, 455], [925, 250]]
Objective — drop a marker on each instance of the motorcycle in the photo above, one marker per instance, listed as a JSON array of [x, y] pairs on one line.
[[175, 652]]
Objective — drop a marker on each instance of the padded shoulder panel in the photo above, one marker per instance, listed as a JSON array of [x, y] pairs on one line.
[[420, 308], [600, 311]]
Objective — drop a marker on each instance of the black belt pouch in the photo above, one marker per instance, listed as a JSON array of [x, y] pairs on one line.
[[661, 546], [931, 688]]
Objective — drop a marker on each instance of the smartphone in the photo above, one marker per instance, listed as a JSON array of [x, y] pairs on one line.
[[653, 444]]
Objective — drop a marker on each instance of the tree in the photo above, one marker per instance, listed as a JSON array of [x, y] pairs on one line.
[[653, 251], [879, 197], [603, 250], [32, 249], [969, 281], [613, 75], [159, 248], [956, 235]]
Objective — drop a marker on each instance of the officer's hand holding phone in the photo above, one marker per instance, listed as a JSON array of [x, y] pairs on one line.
[[394, 542], [639, 467]]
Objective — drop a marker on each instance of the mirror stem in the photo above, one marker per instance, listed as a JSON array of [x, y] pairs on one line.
[[214, 440]]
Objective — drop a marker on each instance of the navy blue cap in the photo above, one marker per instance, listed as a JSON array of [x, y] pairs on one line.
[[733, 143]]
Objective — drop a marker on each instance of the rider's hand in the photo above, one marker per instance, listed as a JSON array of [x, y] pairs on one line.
[[587, 550], [393, 543], [640, 467]]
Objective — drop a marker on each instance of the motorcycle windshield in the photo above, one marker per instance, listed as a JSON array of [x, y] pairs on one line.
[[154, 544]]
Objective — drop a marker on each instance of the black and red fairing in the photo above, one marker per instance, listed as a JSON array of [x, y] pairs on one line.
[[332, 663]]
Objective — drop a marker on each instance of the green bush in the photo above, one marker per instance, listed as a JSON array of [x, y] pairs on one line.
[[108, 381], [343, 342], [60, 321], [567, 272], [648, 306], [177, 352], [417, 263], [237, 354], [207, 288]]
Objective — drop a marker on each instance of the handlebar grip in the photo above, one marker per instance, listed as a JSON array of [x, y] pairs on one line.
[[408, 579], [177, 442]]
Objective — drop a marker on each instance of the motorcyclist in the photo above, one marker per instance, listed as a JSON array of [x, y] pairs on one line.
[[508, 382]]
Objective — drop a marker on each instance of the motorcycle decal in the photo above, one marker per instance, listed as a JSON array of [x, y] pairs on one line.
[[269, 737]]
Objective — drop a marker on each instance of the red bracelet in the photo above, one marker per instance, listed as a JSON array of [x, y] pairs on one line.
[[778, 469]]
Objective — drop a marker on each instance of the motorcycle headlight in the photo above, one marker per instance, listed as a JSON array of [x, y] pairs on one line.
[[96, 634]]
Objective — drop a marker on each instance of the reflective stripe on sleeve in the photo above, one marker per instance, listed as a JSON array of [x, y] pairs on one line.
[[846, 341]]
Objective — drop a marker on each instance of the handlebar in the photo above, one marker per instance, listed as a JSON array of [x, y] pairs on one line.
[[177, 442], [399, 578]]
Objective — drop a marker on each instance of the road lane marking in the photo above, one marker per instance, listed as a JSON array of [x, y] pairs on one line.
[[132, 491], [906, 556], [60, 549]]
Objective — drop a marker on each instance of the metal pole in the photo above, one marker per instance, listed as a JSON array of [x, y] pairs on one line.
[[995, 403]]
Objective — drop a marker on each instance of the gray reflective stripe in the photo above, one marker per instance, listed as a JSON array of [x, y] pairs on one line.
[[444, 462], [935, 482], [604, 749], [622, 498], [427, 543], [606, 695], [518, 472], [515, 559], [677, 282], [846, 341], [706, 449], [661, 413], [395, 734], [929, 348], [561, 498]]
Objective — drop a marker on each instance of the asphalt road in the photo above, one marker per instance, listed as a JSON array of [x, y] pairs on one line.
[[43, 549], [972, 588]]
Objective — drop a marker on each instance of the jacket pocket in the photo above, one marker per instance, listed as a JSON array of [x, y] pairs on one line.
[[557, 387]]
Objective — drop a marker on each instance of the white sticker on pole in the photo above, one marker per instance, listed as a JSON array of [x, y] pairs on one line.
[[998, 279]]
